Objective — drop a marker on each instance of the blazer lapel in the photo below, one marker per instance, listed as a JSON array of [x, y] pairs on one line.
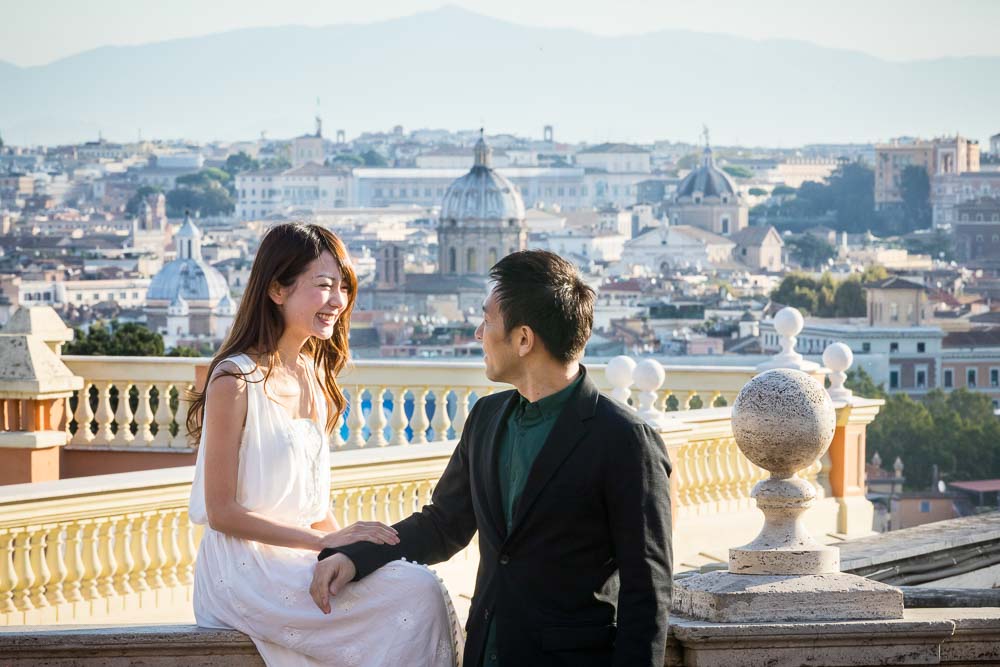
[[490, 466], [566, 434]]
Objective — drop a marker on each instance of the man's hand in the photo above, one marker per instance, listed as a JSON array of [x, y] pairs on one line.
[[329, 577]]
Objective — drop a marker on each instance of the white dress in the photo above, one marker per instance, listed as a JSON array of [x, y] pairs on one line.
[[400, 614]]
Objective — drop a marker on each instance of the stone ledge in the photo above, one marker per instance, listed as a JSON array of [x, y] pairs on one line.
[[154, 645]]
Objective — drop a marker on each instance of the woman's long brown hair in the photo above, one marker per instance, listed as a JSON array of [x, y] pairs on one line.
[[284, 253]]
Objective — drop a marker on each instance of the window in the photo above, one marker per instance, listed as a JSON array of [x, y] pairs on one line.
[[970, 378], [893, 379], [921, 347], [866, 347], [921, 379], [894, 347], [122, 296], [135, 295], [894, 312], [949, 378], [995, 377], [925, 506]]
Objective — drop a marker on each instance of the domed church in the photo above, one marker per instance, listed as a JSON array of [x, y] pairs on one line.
[[482, 219], [707, 198], [188, 300]]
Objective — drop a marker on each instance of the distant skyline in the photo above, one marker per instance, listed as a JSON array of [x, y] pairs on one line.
[[44, 31]]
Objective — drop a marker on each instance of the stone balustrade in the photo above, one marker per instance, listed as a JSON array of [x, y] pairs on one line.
[[111, 546], [153, 424]]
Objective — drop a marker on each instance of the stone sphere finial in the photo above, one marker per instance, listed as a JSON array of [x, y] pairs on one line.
[[619, 373], [838, 358], [788, 322], [783, 420]]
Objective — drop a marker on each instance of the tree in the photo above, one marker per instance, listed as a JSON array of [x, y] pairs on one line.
[[874, 273], [348, 160], [780, 190], [130, 339], [852, 188], [937, 244], [277, 162], [373, 158], [135, 201], [849, 300], [737, 172], [811, 251], [758, 192], [211, 200], [689, 161], [240, 162], [916, 192]]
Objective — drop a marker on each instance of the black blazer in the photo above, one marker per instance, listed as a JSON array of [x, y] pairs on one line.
[[584, 576]]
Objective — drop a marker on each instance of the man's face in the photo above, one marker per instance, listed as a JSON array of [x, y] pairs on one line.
[[499, 351]]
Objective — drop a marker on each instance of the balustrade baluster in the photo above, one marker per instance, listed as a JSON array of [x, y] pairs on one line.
[[376, 418], [74, 562], [56, 562], [419, 422], [25, 575], [397, 422], [143, 416], [104, 416], [158, 556], [180, 441], [8, 574], [462, 409], [356, 419], [123, 416], [441, 421], [91, 561], [123, 554], [106, 558], [140, 552], [163, 416], [171, 546], [40, 568], [188, 550], [83, 415]]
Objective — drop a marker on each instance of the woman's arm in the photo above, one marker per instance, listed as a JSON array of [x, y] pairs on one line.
[[226, 401]]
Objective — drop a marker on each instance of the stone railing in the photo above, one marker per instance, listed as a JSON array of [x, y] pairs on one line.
[[153, 423], [106, 547]]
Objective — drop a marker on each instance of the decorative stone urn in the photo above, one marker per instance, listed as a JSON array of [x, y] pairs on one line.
[[783, 420]]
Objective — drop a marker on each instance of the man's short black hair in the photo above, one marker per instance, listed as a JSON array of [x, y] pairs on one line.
[[541, 290]]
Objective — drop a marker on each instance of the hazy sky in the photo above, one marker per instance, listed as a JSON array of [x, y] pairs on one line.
[[34, 32]]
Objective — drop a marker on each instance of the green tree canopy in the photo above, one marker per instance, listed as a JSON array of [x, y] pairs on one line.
[[373, 158], [916, 192], [240, 162], [811, 251], [135, 201], [737, 172], [824, 297], [129, 339]]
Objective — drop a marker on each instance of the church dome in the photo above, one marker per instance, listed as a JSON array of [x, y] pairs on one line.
[[482, 194], [189, 277], [707, 180]]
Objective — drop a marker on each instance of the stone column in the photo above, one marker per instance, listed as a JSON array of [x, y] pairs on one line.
[[34, 388]]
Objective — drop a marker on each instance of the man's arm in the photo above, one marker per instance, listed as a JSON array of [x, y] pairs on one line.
[[435, 533], [638, 499]]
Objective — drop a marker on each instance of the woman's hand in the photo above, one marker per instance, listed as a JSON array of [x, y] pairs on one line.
[[362, 531]]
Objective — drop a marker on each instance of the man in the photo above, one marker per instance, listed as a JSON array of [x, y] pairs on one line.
[[567, 488]]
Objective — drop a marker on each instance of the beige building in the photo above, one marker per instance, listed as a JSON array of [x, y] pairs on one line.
[[896, 302], [759, 248], [953, 155]]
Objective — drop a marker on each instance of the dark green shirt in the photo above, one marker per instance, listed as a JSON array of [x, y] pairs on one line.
[[525, 432]]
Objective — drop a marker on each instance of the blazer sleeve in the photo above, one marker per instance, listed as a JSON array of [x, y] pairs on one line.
[[435, 533], [638, 498]]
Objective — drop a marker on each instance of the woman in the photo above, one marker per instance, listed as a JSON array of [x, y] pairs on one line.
[[262, 480]]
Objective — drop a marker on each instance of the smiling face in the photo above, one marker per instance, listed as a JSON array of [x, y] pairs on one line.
[[311, 305], [499, 349]]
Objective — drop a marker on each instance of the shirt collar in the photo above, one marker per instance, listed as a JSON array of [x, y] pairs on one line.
[[547, 407]]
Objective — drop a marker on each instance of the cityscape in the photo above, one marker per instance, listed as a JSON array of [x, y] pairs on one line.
[[127, 258]]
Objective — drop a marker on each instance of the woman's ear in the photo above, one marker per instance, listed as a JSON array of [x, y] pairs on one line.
[[276, 292]]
